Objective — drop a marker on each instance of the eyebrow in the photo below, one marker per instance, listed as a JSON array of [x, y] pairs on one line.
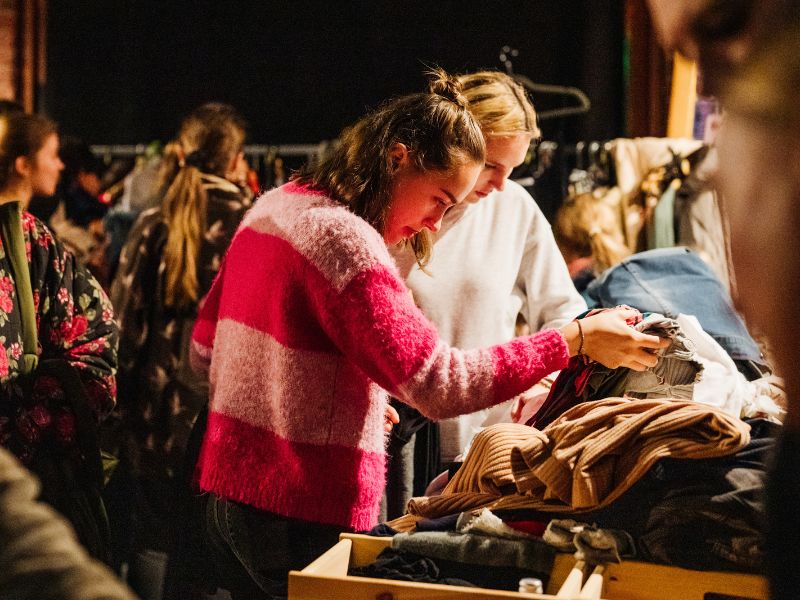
[[449, 195]]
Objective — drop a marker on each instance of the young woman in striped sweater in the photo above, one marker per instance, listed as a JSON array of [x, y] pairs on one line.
[[309, 325]]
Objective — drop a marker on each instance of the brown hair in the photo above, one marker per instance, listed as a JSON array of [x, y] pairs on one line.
[[436, 127], [209, 139], [21, 135], [585, 226]]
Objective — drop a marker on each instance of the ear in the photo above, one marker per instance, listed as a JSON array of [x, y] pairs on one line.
[[23, 166], [398, 155]]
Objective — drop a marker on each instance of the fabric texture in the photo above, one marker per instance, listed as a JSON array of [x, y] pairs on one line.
[[159, 396], [478, 549], [674, 375], [492, 260], [585, 459], [305, 329], [75, 323], [671, 281], [701, 514], [14, 245]]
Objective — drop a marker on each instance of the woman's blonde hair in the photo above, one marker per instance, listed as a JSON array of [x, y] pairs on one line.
[[586, 226], [499, 104], [208, 141], [436, 127]]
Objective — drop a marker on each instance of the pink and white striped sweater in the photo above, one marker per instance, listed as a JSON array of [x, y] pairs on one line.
[[306, 325]]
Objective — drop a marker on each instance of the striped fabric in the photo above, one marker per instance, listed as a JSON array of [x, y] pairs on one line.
[[305, 327], [584, 460]]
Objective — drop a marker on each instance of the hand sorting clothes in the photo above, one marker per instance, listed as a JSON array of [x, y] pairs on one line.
[[693, 367]]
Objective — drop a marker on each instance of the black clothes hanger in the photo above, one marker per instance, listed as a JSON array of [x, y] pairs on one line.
[[583, 106]]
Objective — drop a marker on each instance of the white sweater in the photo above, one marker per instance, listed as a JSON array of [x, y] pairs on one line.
[[491, 261]]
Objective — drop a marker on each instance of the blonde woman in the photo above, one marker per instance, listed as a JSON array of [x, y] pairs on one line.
[[589, 235], [166, 267], [494, 258]]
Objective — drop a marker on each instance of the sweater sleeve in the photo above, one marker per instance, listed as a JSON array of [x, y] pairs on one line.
[[375, 323], [75, 318]]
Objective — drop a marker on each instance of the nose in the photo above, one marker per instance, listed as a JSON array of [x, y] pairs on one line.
[[434, 224], [498, 180]]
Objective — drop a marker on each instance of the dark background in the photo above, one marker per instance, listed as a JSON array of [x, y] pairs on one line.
[[126, 71]]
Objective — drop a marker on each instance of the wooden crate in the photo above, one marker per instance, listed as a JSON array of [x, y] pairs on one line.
[[326, 579]]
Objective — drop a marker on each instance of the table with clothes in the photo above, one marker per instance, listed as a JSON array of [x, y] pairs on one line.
[[664, 466]]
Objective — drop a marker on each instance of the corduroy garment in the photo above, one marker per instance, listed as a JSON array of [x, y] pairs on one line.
[[584, 460], [306, 325]]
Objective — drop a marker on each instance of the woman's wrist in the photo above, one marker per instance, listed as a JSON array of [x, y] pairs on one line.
[[572, 335]]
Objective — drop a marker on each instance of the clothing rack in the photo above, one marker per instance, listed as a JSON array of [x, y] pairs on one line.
[[310, 151], [272, 162], [582, 106]]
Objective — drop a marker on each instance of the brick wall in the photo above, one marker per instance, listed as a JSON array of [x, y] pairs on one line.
[[9, 14]]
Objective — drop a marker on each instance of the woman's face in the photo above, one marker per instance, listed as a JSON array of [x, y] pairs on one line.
[[419, 200], [46, 168], [503, 154]]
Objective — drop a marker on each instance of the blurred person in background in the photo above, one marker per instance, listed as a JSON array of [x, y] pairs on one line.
[[167, 265], [589, 236], [749, 55], [78, 217]]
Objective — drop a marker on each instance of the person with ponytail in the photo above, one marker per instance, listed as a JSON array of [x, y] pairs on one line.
[[589, 235], [309, 325], [495, 264], [167, 265]]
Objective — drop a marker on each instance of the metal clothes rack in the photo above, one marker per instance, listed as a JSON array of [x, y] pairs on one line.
[[310, 151]]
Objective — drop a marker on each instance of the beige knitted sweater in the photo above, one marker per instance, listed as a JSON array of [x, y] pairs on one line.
[[584, 460]]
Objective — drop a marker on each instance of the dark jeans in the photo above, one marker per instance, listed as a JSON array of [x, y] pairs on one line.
[[254, 550]]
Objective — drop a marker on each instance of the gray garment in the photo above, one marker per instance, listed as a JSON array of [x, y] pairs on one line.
[[590, 543], [484, 550], [40, 557], [677, 370]]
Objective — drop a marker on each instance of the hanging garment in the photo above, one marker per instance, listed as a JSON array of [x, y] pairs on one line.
[[700, 220], [661, 228]]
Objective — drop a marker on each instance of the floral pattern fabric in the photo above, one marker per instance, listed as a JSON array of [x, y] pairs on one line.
[[75, 322]]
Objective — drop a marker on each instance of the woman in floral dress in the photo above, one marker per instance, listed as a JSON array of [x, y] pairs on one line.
[[74, 321]]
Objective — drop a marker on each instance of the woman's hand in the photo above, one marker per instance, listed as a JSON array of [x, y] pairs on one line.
[[390, 419], [609, 340]]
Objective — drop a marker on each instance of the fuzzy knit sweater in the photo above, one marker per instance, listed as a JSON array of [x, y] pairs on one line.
[[306, 328]]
